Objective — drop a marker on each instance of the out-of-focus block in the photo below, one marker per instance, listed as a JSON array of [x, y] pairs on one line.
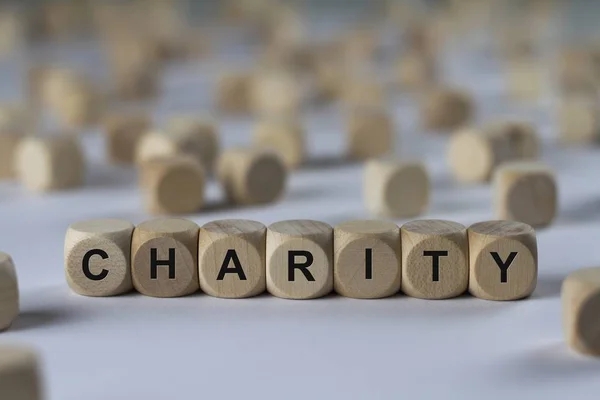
[[231, 258], [20, 374], [173, 184], [525, 192], [50, 163], [579, 121], [283, 136], [252, 176], [435, 259], [503, 260], [123, 132], [416, 71], [233, 93], [367, 259], [13, 126], [580, 308], [525, 79], [97, 257], [277, 93], [396, 189], [9, 292], [299, 259], [164, 257], [359, 92], [446, 109], [371, 133]]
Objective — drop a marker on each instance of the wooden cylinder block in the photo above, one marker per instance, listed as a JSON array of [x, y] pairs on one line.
[[525, 192], [474, 154], [173, 185], [366, 259], [284, 136], [299, 259], [123, 132], [97, 257], [371, 134], [396, 189], [233, 93], [50, 163], [579, 121], [580, 308], [164, 257], [503, 260], [9, 292], [435, 259], [252, 176], [231, 259], [20, 373], [446, 109]]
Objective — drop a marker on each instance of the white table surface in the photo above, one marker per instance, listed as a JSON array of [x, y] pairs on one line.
[[135, 347]]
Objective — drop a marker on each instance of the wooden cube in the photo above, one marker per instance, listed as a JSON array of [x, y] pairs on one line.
[[13, 126], [446, 109], [20, 374], [164, 257], [435, 259], [123, 132], [524, 140], [50, 163], [366, 257], [183, 136], [136, 83], [577, 72], [396, 189], [9, 292], [371, 133], [526, 79], [231, 258], [233, 93], [580, 308], [416, 70], [252, 175], [525, 192], [578, 121], [277, 93], [98, 257], [502, 260], [474, 154], [173, 185], [360, 92], [284, 136], [299, 259]]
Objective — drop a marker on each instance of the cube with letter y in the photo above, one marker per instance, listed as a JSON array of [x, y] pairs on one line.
[[299, 259], [503, 260]]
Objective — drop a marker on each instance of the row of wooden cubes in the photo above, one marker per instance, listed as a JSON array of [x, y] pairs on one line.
[[302, 259]]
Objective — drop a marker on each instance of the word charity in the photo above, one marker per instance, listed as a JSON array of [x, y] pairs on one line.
[[302, 259]]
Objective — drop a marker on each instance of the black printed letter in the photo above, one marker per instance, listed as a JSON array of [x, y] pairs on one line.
[[436, 262], [503, 265], [292, 265], [154, 263], [231, 256], [368, 263], [86, 265]]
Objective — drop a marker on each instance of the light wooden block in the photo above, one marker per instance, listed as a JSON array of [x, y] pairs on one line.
[[13, 126], [435, 259], [359, 92], [329, 74], [123, 132], [252, 175], [136, 83], [50, 163], [276, 93], [9, 292], [20, 374], [474, 154], [446, 109], [577, 73], [233, 93], [579, 121], [415, 71], [371, 134], [525, 192], [299, 259], [366, 257], [396, 189], [231, 258], [526, 79], [523, 138], [164, 257], [98, 257], [580, 309], [173, 185], [284, 136], [502, 260], [182, 136]]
